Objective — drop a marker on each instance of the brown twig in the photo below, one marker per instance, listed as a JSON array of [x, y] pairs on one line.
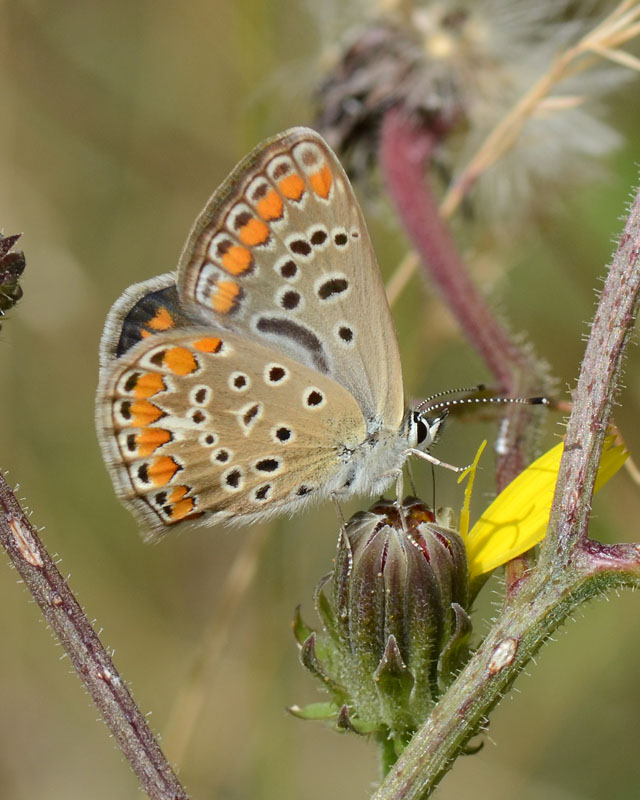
[[87, 654]]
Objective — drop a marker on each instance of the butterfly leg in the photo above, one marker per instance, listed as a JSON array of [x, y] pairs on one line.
[[400, 497], [336, 502], [433, 460], [399, 486], [411, 478]]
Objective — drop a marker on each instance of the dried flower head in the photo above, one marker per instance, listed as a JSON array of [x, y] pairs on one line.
[[461, 67], [12, 264]]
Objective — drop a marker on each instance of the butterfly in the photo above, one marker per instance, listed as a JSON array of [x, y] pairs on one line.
[[265, 372]]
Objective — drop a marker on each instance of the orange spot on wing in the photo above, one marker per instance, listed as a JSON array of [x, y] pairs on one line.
[[162, 320], [292, 187], [180, 361], [237, 259], [149, 440], [209, 344], [177, 494], [270, 207], [144, 413], [321, 182], [162, 470], [145, 334], [182, 509], [224, 299], [149, 384], [254, 232]]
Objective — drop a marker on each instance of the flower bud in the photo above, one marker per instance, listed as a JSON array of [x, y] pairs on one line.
[[12, 265], [394, 619]]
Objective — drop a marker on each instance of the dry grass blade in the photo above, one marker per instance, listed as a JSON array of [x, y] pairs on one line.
[[616, 29], [191, 699], [401, 276]]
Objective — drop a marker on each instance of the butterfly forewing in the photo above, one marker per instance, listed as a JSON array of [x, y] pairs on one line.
[[212, 426], [281, 254]]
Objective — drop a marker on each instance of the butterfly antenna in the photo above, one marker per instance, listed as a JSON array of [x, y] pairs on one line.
[[469, 401], [480, 387]]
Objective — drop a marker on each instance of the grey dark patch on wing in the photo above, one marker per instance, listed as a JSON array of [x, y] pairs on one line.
[[297, 334]]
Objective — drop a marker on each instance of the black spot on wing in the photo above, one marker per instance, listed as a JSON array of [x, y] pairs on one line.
[[332, 287]]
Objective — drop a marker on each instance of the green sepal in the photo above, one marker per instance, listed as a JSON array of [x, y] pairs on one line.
[[322, 711], [301, 630], [325, 610], [394, 684], [456, 650], [346, 722], [392, 676], [310, 660]]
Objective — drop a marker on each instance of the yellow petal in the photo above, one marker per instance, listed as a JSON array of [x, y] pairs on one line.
[[471, 472], [517, 519]]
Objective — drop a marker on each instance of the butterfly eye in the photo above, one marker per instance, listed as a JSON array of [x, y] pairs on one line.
[[422, 430]]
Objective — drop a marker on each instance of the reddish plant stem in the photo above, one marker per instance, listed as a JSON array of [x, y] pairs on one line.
[[405, 153], [87, 654], [406, 149]]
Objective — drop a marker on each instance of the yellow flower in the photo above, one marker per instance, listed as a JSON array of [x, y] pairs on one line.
[[517, 519]]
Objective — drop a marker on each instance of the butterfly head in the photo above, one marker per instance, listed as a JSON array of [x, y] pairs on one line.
[[423, 426], [425, 421]]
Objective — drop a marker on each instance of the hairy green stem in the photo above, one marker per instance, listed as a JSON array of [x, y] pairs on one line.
[[594, 395], [572, 568], [537, 611]]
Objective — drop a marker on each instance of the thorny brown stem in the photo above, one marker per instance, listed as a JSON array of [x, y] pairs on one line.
[[87, 654], [572, 568]]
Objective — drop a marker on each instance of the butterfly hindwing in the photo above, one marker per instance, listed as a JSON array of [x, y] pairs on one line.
[[146, 309], [211, 426]]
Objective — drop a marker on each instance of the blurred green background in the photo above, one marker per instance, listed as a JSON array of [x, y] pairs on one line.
[[117, 121]]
